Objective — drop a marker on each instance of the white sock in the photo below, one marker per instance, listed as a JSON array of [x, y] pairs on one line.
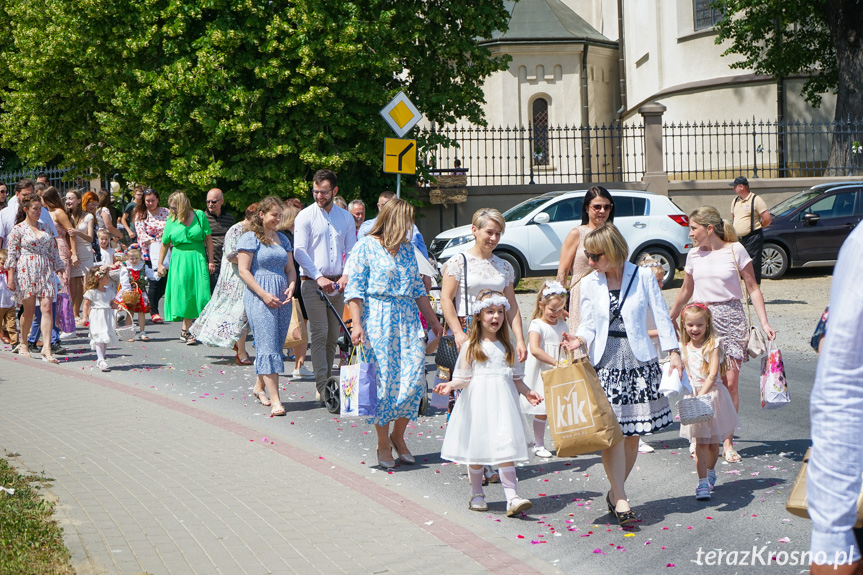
[[510, 481], [475, 480], [539, 431], [100, 351]]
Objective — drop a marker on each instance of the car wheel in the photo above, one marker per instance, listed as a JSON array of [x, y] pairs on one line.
[[665, 259], [516, 266], [774, 262]]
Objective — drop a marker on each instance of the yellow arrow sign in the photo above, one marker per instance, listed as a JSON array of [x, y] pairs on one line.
[[400, 156]]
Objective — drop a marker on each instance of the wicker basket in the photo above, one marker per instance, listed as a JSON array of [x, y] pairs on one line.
[[133, 297], [698, 409], [128, 330]]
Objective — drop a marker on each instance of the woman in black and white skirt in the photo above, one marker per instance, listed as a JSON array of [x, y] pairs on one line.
[[615, 301]]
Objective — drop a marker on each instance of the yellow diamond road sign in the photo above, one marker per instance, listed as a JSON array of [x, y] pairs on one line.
[[401, 114], [400, 156]]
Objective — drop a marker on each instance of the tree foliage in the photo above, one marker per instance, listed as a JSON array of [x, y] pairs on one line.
[[779, 39], [249, 95]]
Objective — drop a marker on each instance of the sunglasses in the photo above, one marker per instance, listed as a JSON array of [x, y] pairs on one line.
[[601, 207], [594, 257], [556, 309]]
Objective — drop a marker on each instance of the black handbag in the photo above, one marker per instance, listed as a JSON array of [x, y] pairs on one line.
[[447, 351]]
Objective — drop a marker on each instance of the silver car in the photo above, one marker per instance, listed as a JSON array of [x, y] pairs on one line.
[[536, 229]]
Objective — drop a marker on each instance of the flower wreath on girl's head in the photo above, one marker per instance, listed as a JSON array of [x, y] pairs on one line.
[[553, 288], [490, 298]]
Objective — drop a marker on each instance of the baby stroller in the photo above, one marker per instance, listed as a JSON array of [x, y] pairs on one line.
[[331, 395]]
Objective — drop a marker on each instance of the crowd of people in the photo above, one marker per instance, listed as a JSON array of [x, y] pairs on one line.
[[221, 280]]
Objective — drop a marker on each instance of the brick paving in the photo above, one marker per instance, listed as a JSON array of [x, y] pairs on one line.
[[146, 484]]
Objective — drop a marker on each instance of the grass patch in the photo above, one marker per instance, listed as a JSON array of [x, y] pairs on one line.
[[31, 542], [531, 285]]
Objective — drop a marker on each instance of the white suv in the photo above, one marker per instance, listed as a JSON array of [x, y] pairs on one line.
[[536, 229]]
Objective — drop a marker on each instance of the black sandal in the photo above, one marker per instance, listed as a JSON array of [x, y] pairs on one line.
[[625, 517], [608, 502]]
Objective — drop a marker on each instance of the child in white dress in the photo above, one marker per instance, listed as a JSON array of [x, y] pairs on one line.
[[705, 362], [545, 334], [99, 306], [487, 426]]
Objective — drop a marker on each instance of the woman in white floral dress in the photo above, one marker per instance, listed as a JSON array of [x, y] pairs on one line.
[[33, 263], [223, 321], [385, 291]]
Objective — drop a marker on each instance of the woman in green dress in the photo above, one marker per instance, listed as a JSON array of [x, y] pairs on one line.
[[187, 233]]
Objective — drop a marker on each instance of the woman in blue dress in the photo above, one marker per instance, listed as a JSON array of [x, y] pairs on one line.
[[267, 268], [384, 289]]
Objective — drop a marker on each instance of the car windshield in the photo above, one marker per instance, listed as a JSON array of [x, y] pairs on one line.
[[523, 209], [785, 207]]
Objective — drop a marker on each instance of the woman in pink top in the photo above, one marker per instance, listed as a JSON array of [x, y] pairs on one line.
[[712, 276]]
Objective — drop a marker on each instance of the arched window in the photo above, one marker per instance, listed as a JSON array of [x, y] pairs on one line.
[[540, 132]]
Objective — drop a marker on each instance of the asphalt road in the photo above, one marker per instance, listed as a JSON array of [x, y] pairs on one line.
[[569, 526]]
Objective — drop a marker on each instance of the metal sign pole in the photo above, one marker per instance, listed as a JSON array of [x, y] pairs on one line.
[[398, 185]]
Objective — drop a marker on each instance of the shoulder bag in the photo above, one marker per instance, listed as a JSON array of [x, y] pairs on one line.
[[447, 352], [757, 343]]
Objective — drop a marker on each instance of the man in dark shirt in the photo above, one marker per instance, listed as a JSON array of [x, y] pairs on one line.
[[220, 222]]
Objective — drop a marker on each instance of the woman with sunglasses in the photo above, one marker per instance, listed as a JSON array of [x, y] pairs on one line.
[[597, 209], [615, 301], [150, 222]]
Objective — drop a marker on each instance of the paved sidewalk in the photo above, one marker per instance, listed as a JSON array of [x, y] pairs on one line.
[[149, 485]]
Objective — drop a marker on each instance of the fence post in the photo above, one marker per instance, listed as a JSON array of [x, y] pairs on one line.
[[655, 175]]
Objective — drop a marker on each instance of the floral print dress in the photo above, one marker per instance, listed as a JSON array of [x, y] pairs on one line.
[[35, 259], [223, 320], [389, 287]]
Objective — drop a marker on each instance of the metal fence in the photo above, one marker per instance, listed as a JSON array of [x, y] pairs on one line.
[[526, 155], [767, 149], [57, 177]]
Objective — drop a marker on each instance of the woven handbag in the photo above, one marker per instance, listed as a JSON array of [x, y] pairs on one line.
[[757, 343], [133, 297], [697, 409], [127, 331], [447, 351]]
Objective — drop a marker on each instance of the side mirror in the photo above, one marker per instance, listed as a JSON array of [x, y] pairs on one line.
[[542, 218], [810, 218]]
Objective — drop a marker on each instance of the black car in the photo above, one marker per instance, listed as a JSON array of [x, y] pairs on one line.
[[808, 228]]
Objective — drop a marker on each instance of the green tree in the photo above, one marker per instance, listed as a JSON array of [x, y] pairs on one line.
[[819, 38], [249, 95]]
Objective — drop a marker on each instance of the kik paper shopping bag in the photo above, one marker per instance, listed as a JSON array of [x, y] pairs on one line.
[[358, 385], [297, 329], [774, 387], [579, 416]]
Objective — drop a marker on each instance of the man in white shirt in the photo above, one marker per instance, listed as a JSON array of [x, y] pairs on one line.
[[324, 235], [836, 413]]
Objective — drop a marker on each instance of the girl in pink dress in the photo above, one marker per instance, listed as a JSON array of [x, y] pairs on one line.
[[705, 362]]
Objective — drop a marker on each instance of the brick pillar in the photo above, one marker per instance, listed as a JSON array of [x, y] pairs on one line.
[[655, 175]]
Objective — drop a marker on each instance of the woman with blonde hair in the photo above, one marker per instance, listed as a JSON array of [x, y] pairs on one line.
[[714, 269], [616, 300], [187, 233], [386, 294], [485, 271], [266, 266]]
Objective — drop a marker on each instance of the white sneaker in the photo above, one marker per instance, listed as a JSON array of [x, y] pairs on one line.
[[541, 451], [643, 447], [318, 396], [68, 335], [303, 371], [103, 365]]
